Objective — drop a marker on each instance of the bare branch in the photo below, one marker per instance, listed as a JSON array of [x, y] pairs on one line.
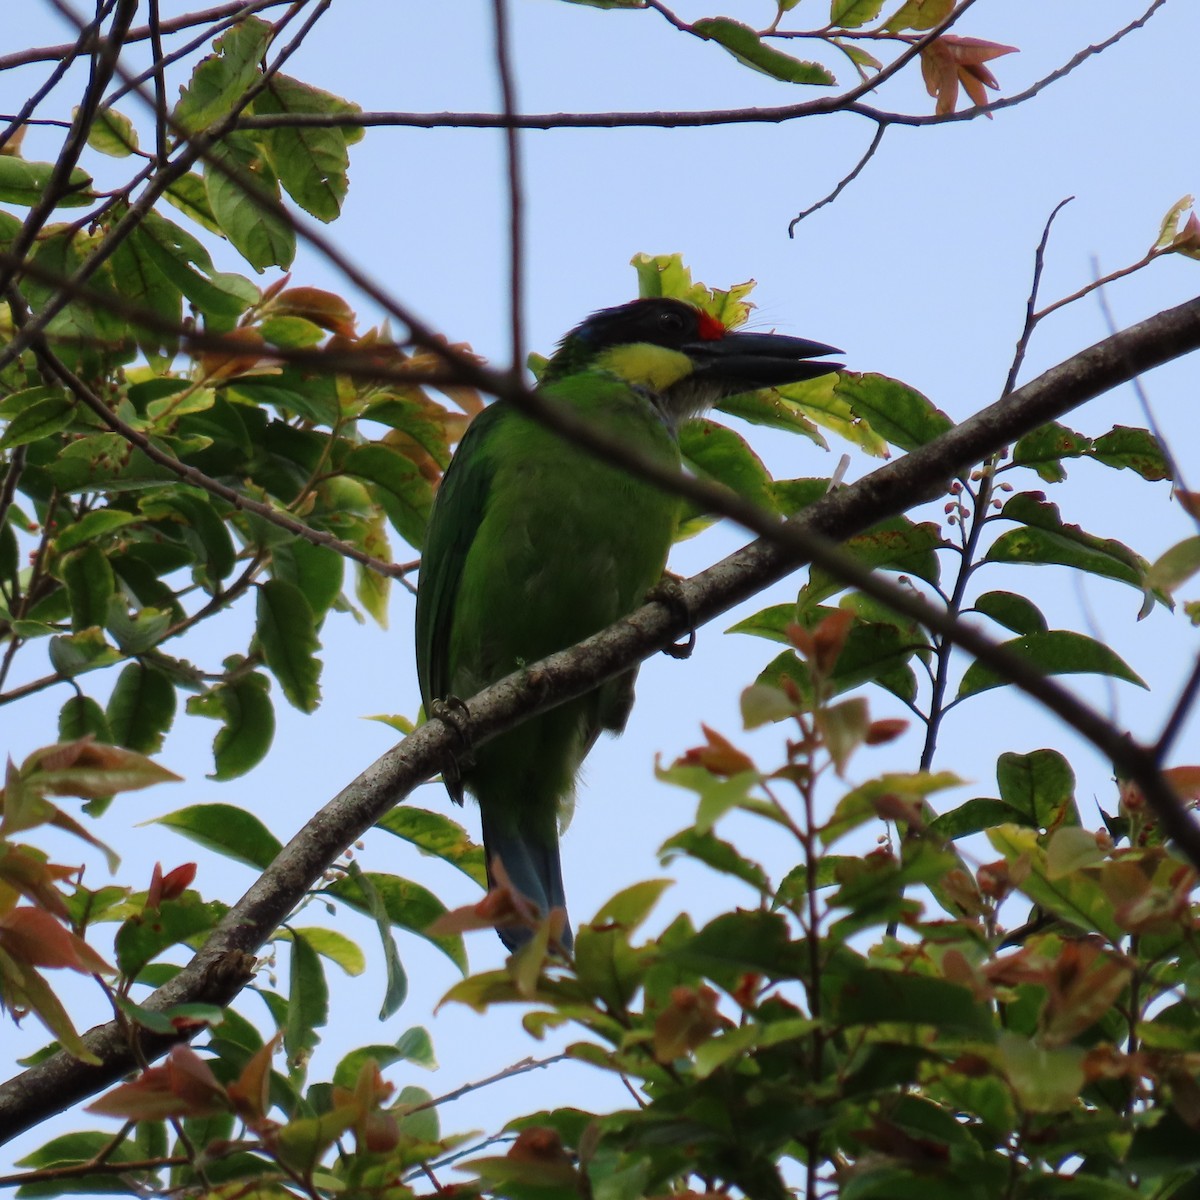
[[141, 33], [771, 115], [512, 145], [843, 183]]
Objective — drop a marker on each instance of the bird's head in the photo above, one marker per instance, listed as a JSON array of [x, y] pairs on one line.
[[683, 357]]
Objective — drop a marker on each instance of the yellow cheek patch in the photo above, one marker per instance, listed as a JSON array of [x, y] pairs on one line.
[[643, 365]]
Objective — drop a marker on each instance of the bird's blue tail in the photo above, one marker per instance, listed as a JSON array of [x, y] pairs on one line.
[[533, 869]]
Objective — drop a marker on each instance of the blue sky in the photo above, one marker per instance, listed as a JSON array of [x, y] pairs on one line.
[[920, 270]]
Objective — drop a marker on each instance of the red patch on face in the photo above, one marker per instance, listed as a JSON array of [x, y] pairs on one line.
[[710, 328]]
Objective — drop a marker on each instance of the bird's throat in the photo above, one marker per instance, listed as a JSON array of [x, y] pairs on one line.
[[642, 365]]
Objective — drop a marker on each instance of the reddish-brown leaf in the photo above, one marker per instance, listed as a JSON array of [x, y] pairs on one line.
[[950, 60], [689, 1020], [718, 756], [33, 936], [183, 1086], [322, 308]]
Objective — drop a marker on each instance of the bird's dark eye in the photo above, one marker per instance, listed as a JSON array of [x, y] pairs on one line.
[[671, 322]]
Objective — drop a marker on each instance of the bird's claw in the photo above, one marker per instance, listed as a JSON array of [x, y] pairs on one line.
[[454, 713], [669, 591]]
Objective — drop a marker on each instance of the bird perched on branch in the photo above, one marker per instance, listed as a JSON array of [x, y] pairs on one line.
[[535, 544]]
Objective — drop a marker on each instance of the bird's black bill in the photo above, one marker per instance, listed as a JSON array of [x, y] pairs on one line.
[[759, 360]]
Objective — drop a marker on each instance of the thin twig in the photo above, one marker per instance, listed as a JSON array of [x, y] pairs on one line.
[[519, 1068], [843, 183], [772, 115], [141, 33], [160, 85], [1032, 316], [76, 1170], [21, 117], [1179, 714], [512, 146], [59, 184]]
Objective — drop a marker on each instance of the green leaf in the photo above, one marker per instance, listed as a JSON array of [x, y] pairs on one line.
[[80, 716], [1125, 447], [873, 653], [187, 193], [1044, 448], [336, 947], [737, 942], [136, 633], [220, 80], [1046, 1081], [172, 251], [25, 183], [821, 401], [90, 585], [830, 868], [974, 816], [1077, 898], [111, 133], [141, 281], [310, 394], [317, 571], [852, 14], [241, 187], [897, 544], [1045, 539], [311, 162], [42, 413], [438, 836], [894, 410], [371, 588], [860, 804], [308, 999], [870, 996], [105, 461], [228, 830], [405, 904], [1012, 611], [717, 796], [287, 634], [192, 515], [632, 905], [747, 47], [1071, 849], [772, 410], [86, 651], [715, 853], [141, 708], [920, 14], [406, 495], [413, 1045], [1177, 565], [363, 894], [93, 525], [248, 723], [1055, 652], [716, 452], [1041, 785], [141, 939]]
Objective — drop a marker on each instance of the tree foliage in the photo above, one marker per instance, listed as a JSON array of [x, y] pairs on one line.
[[179, 442]]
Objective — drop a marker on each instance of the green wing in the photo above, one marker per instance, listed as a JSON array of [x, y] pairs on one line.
[[457, 512]]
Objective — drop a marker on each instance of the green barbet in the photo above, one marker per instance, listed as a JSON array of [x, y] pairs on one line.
[[534, 544]]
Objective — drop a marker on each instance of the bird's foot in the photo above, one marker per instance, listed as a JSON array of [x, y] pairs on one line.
[[454, 714], [669, 591]]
